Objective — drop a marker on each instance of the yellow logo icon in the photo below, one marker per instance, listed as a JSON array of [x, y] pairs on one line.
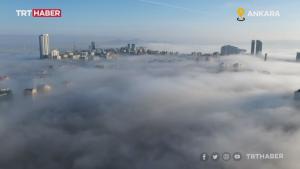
[[241, 13]]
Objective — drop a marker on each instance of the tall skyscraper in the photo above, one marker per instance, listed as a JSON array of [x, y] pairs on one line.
[[132, 47], [128, 48], [252, 47], [256, 47], [44, 46], [93, 46], [298, 57]]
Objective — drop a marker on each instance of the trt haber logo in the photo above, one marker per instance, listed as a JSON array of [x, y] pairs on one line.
[[52, 13], [46, 13]]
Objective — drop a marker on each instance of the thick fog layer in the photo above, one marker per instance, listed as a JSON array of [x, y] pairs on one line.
[[149, 112]]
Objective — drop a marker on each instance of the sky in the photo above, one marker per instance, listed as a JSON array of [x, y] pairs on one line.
[[186, 21]]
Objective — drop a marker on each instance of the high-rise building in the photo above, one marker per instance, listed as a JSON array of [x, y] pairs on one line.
[[128, 48], [132, 47], [298, 57], [252, 47], [44, 46], [258, 47], [93, 46], [231, 50]]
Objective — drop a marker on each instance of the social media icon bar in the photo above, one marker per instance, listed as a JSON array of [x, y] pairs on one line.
[[215, 156], [237, 156], [204, 157], [226, 156]]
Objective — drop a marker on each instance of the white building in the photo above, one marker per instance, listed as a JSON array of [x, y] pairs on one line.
[[110, 55], [55, 54], [44, 46], [74, 57], [44, 88], [84, 55]]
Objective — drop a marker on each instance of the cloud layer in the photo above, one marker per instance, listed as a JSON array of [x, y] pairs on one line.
[[149, 112]]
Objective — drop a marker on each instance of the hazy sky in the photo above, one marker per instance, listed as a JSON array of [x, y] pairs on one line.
[[168, 20]]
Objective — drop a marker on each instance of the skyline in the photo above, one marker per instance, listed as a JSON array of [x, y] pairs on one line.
[[28, 44], [165, 20]]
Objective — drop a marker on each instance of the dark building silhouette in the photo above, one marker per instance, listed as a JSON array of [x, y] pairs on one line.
[[256, 47], [252, 47], [298, 57], [131, 49], [231, 50], [266, 56], [128, 47], [93, 46]]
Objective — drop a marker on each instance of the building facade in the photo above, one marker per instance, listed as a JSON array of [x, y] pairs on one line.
[[44, 46], [258, 50], [231, 50], [256, 47], [253, 47]]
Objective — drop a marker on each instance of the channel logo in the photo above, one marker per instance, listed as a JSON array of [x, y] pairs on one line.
[[40, 13]]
